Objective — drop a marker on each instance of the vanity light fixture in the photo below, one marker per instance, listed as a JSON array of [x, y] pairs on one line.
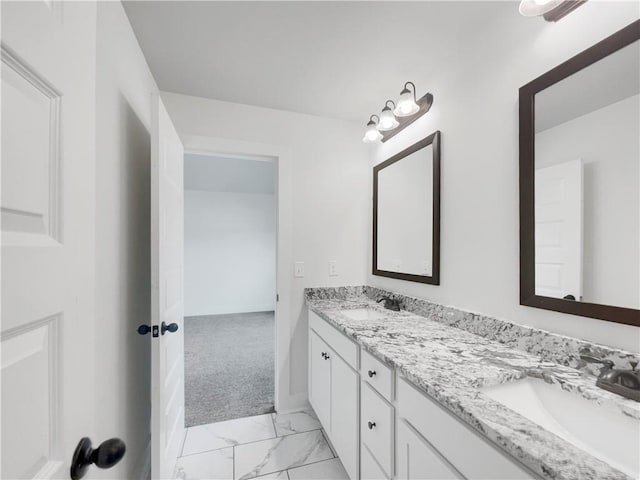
[[551, 10], [404, 113], [372, 134], [387, 119]]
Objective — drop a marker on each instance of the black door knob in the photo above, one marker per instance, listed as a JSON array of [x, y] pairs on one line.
[[144, 329], [171, 328], [371, 373], [371, 425], [109, 453]]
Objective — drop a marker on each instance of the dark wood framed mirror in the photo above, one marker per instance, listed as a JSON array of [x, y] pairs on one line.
[[406, 213], [580, 183]]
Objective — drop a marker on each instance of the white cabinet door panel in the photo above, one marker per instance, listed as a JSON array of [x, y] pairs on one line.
[[344, 413], [418, 460], [320, 381]]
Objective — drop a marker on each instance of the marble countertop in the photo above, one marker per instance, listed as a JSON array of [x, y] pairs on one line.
[[451, 365]]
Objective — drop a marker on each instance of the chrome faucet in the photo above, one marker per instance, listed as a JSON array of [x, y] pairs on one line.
[[390, 303], [617, 380]]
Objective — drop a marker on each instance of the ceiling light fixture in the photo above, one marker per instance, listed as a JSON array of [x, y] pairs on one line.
[[551, 10], [387, 119], [404, 113], [372, 134]]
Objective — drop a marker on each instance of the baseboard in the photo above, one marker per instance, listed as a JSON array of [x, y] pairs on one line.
[[293, 403], [231, 311], [143, 469]]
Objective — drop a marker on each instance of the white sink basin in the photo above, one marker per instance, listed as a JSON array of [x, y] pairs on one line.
[[362, 313], [608, 435]]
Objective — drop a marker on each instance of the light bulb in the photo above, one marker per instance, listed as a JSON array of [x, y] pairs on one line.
[[387, 120], [534, 8], [406, 104], [372, 134]]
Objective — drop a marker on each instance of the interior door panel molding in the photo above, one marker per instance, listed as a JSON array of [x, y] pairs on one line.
[[18, 220], [30, 339]]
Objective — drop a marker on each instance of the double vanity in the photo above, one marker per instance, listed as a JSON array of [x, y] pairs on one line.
[[432, 392]]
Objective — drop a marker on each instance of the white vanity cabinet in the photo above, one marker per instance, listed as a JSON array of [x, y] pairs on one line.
[[334, 385], [433, 442], [384, 428]]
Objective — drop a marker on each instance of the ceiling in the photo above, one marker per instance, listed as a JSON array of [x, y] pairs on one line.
[[333, 59], [221, 174]]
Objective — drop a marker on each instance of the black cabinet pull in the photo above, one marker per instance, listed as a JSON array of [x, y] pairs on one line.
[[171, 328], [371, 425], [322, 354], [106, 455], [371, 373], [326, 356]]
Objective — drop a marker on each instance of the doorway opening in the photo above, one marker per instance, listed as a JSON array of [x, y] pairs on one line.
[[230, 245]]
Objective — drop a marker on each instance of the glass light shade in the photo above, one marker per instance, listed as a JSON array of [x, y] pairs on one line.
[[534, 8], [387, 120], [406, 105], [372, 134]]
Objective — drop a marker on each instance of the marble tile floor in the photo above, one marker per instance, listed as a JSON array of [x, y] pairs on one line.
[[285, 447]]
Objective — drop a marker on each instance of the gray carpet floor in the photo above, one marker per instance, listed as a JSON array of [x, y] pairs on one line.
[[229, 366]]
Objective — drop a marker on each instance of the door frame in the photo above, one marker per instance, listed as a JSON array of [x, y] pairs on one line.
[[281, 156]]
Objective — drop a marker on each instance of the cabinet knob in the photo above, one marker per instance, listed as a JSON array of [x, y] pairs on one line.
[[326, 356], [371, 425], [371, 373]]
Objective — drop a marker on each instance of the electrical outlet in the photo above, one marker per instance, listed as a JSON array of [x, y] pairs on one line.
[[298, 269], [333, 268]]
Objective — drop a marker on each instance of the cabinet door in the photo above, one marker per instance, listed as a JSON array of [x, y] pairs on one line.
[[320, 381], [344, 413], [418, 460]]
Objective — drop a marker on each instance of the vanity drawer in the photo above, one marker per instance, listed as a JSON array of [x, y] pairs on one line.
[[377, 427], [338, 341], [462, 447], [377, 374], [369, 468]]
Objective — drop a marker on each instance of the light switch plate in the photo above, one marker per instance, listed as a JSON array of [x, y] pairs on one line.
[[333, 268], [298, 269]]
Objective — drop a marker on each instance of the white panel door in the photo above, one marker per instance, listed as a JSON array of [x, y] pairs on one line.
[[167, 252], [48, 247], [558, 223]]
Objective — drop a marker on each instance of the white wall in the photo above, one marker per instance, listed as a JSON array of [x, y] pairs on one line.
[[476, 108], [124, 87], [611, 266], [330, 184], [229, 252]]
